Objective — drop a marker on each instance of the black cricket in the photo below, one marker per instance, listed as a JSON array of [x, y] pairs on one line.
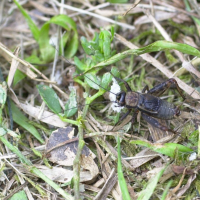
[[150, 105]]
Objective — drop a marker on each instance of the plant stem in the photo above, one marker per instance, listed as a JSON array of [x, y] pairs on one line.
[[77, 160], [69, 120]]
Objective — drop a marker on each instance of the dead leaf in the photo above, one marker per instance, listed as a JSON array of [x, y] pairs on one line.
[[180, 169], [153, 172], [63, 152], [47, 117], [59, 151], [159, 16], [58, 174], [143, 157]]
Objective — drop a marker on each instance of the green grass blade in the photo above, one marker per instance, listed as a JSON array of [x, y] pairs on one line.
[[169, 149], [148, 191], [22, 120], [46, 49], [19, 195], [34, 29], [156, 46], [50, 98], [164, 195], [122, 182]]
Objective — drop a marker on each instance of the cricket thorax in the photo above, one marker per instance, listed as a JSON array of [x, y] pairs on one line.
[[131, 99]]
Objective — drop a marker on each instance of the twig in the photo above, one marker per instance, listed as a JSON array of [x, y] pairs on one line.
[[94, 15]]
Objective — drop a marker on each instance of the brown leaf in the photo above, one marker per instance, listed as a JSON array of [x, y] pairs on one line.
[[180, 169], [60, 150]]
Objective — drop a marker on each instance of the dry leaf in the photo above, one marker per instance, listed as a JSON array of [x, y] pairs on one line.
[[47, 117], [180, 169], [63, 152], [159, 16]]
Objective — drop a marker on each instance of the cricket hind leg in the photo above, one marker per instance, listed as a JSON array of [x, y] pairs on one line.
[[155, 123], [159, 89]]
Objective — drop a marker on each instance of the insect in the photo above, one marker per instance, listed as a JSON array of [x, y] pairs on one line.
[[150, 105]]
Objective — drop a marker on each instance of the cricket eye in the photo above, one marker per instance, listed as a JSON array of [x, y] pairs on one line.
[[118, 96]]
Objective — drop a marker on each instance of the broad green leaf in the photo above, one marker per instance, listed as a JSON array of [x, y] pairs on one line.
[[106, 79], [81, 65], [21, 195], [72, 46], [89, 50], [95, 42], [67, 23], [115, 72], [148, 191], [34, 29], [92, 81], [98, 57], [169, 149], [22, 120], [18, 77], [105, 37], [33, 58], [156, 46], [47, 51], [42, 36], [65, 38], [50, 98], [63, 21], [71, 105]]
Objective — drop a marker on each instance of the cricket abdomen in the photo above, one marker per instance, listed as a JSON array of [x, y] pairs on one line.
[[157, 107], [167, 110]]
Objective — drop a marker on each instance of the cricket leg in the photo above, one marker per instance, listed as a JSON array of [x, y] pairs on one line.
[[155, 123], [162, 87]]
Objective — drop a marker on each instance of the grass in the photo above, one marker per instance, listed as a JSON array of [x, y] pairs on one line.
[[83, 56]]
